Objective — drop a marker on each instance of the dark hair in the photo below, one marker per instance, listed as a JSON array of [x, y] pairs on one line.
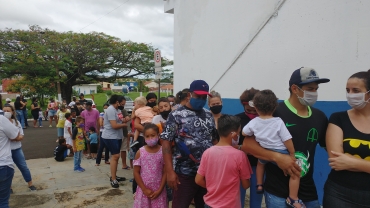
[[163, 99], [290, 88], [61, 141], [67, 115], [92, 129], [170, 96], [79, 119], [106, 104], [248, 95], [114, 98], [150, 96], [227, 124], [18, 99], [150, 126], [365, 76], [74, 99], [73, 111], [34, 99], [181, 95], [265, 101]]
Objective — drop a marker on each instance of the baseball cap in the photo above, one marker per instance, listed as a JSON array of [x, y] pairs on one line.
[[199, 87], [8, 100], [306, 75]]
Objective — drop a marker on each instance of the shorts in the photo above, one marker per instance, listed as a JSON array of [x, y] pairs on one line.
[[52, 113], [69, 141], [114, 145], [60, 132], [93, 148], [282, 151], [124, 146], [35, 115]]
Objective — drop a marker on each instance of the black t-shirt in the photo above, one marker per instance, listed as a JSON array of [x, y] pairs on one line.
[[83, 101], [244, 120], [306, 133], [354, 143], [59, 152], [36, 110], [17, 105]]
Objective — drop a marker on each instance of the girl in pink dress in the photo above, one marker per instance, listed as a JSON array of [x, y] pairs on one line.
[[149, 172]]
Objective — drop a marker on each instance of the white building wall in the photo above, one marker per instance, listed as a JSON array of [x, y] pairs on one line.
[[86, 89], [331, 36]]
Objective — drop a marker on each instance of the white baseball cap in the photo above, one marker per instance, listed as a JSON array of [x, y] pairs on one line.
[[8, 99]]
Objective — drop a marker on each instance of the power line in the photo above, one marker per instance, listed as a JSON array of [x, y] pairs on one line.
[[104, 15]]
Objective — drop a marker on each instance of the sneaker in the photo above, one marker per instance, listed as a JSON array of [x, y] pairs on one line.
[[32, 188], [119, 178], [78, 171], [50, 126], [82, 169], [114, 183], [40, 126], [134, 143]]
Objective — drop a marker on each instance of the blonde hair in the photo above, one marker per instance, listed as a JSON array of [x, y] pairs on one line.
[[141, 100], [214, 95]]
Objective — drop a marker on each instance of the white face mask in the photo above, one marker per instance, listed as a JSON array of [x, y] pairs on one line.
[[309, 98], [105, 110], [8, 115], [235, 142], [357, 100], [171, 103]]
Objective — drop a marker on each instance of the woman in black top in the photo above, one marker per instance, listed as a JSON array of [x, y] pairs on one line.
[[246, 116], [348, 146], [35, 108], [18, 105]]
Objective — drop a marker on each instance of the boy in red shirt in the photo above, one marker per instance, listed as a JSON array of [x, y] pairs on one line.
[[223, 168]]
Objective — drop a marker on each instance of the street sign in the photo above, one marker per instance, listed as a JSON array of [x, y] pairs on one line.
[[158, 72], [157, 58]]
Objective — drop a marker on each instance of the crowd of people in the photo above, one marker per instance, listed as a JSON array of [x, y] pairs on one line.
[[182, 152]]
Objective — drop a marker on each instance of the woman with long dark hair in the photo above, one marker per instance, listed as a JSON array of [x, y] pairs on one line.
[[19, 105], [35, 108]]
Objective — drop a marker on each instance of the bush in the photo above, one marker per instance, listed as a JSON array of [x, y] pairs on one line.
[[100, 89], [108, 92]]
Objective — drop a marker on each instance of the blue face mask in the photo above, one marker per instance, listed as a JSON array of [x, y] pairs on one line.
[[197, 103]]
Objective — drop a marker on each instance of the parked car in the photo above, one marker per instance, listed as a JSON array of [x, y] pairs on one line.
[[129, 106]]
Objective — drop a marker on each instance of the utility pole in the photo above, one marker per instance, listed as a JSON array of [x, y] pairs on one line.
[[158, 69]]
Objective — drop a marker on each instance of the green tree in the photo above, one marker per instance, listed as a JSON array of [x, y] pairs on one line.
[[72, 58]]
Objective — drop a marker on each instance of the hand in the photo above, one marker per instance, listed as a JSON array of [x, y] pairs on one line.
[[341, 161], [147, 192], [288, 165], [74, 149], [172, 180], [155, 194]]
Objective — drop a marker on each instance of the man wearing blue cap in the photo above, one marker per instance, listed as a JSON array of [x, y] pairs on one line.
[[307, 125], [190, 127]]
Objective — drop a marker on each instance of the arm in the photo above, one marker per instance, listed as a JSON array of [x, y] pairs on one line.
[[69, 131], [285, 162], [337, 159], [138, 178], [246, 183], [289, 145], [172, 178], [138, 125], [200, 180], [33, 107], [116, 125]]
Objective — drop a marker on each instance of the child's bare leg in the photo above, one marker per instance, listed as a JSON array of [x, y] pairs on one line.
[[136, 135], [260, 171], [293, 189]]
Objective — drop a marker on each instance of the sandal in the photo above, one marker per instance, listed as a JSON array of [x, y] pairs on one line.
[[289, 201], [126, 168], [97, 164], [259, 191]]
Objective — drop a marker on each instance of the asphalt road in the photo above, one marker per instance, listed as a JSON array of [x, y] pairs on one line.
[[39, 142]]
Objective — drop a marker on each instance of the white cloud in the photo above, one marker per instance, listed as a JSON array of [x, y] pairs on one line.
[[136, 20]]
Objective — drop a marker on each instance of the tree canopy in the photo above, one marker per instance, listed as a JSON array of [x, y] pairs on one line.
[[34, 56]]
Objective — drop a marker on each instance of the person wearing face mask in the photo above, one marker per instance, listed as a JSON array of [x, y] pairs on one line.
[[113, 134], [190, 127], [307, 125], [181, 98], [16, 147], [347, 140], [171, 99], [249, 113], [164, 108]]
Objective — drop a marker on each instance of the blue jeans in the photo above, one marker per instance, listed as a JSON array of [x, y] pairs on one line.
[[273, 201], [77, 159], [40, 121], [20, 117], [255, 199], [25, 115], [6, 176], [20, 161]]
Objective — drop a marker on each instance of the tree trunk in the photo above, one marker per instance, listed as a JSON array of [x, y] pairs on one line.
[[67, 91]]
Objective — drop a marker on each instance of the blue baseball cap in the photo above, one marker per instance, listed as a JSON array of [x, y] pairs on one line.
[[199, 87], [306, 75]]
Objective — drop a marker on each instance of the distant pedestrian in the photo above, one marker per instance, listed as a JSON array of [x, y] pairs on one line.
[[25, 111], [61, 120], [35, 109], [52, 112], [93, 139], [19, 105]]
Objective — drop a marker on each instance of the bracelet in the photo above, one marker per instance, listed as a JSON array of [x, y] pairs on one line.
[[240, 147]]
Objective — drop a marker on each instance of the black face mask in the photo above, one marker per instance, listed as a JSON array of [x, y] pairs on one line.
[[216, 109], [165, 114], [121, 107], [151, 104]]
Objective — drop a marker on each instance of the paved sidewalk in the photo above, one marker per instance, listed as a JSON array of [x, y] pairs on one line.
[[59, 186]]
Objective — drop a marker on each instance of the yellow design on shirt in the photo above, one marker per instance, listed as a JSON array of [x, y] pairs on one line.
[[79, 140], [355, 143]]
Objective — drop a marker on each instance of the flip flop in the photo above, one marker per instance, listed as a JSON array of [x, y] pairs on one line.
[[127, 168]]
